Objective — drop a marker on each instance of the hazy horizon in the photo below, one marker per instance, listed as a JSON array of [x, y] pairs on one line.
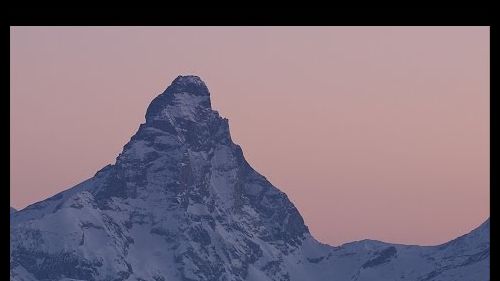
[[372, 132]]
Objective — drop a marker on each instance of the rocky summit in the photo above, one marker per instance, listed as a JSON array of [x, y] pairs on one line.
[[182, 203]]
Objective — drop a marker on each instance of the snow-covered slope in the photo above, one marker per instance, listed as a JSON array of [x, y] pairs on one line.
[[12, 211], [182, 203]]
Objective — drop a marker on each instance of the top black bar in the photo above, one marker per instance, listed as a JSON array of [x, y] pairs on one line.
[[249, 17]]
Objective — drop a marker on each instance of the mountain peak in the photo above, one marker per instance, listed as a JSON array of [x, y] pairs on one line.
[[184, 99], [188, 79], [189, 83]]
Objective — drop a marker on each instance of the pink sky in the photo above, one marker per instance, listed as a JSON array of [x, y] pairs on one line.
[[373, 132]]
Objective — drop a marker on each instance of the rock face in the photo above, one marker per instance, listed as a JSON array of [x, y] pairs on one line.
[[182, 203]]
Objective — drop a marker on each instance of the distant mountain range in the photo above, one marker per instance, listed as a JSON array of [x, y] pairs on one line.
[[182, 203]]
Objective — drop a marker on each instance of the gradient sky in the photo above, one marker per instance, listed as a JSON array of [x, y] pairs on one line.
[[373, 132]]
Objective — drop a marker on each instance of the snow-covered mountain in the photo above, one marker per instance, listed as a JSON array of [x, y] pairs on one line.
[[182, 203]]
